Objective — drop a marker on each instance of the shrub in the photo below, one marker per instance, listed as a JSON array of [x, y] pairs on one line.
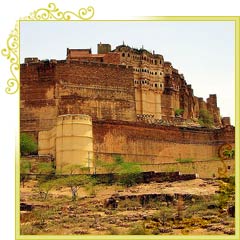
[[179, 112], [205, 118], [27, 144], [25, 168], [138, 229]]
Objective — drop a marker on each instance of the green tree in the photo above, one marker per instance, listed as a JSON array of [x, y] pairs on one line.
[[45, 187], [75, 179], [128, 172], [27, 144], [74, 182], [205, 118], [45, 168]]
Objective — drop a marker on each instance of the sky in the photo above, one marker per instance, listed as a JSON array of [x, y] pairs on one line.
[[203, 51]]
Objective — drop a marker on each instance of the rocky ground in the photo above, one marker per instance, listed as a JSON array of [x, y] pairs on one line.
[[194, 207]]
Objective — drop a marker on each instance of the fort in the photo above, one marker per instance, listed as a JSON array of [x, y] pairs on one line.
[[125, 101]]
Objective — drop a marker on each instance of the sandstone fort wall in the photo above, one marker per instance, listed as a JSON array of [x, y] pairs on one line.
[[55, 88], [156, 144]]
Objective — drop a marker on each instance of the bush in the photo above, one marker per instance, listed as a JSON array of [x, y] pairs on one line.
[[27, 144], [138, 229], [25, 168], [205, 118], [179, 112]]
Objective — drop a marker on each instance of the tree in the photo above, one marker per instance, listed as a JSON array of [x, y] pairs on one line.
[[45, 168], [128, 172], [205, 118], [45, 187], [27, 144], [76, 179], [74, 182]]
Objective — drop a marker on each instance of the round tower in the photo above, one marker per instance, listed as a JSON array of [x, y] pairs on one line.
[[74, 142]]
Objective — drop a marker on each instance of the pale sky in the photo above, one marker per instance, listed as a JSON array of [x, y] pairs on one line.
[[202, 51]]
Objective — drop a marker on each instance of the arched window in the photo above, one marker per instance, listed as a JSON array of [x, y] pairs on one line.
[[123, 54]]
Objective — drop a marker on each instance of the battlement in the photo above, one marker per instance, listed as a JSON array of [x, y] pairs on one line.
[[74, 117], [53, 62]]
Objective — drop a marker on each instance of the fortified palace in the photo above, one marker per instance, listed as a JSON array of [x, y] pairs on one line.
[[127, 102]]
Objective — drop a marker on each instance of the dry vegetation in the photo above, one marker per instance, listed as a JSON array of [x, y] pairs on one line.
[[194, 207]]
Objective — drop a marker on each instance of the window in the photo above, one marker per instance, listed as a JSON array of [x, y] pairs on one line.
[[155, 62], [155, 84], [123, 54]]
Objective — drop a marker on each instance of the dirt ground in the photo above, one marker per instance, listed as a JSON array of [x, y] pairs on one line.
[[58, 214]]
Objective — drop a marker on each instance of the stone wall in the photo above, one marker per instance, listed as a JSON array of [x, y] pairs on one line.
[[153, 144], [50, 89]]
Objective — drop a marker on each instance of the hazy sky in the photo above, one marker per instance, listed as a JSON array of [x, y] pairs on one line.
[[202, 51]]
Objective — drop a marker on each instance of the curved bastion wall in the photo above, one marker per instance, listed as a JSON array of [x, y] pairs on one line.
[[70, 142]]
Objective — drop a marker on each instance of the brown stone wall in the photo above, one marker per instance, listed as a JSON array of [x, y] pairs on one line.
[[152, 144], [49, 89], [112, 57], [167, 106], [100, 90], [38, 106]]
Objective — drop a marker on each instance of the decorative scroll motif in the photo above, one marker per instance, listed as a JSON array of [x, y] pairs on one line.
[[11, 52], [224, 153], [52, 13]]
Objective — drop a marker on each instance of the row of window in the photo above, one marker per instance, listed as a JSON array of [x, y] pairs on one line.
[[146, 82], [142, 58], [147, 71]]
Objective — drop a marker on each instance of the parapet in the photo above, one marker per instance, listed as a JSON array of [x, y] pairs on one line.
[[31, 60], [74, 117]]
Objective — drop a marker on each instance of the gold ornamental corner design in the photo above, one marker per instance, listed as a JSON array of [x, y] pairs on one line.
[[225, 152], [51, 13]]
